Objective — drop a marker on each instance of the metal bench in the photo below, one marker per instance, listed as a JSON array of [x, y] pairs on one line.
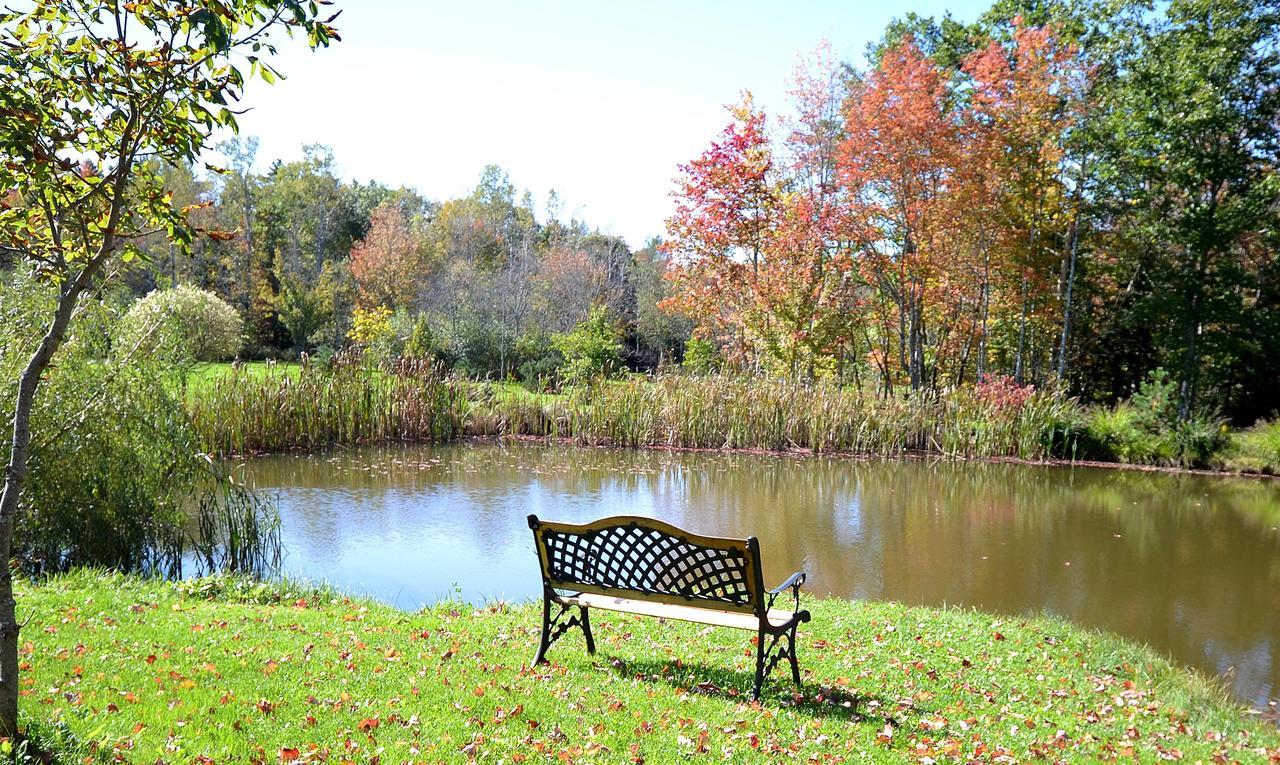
[[643, 566]]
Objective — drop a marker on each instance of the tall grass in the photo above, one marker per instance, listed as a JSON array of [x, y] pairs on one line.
[[340, 403], [727, 412], [351, 404], [736, 413]]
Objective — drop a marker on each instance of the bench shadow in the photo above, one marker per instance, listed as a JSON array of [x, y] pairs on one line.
[[813, 698]]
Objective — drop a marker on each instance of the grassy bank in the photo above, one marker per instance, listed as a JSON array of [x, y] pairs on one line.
[[145, 671]]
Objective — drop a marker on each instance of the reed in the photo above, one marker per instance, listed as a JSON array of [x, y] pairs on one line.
[[730, 412], [352, 404], [340, 403]]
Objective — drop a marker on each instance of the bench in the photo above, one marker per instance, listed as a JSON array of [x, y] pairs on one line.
[[643, 566]]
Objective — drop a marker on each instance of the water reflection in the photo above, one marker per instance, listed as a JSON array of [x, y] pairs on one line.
[[1187, 564]]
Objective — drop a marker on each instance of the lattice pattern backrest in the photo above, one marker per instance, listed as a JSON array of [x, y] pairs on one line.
[[647, 560]]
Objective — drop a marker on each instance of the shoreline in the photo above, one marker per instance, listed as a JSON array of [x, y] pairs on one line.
[[914, 456]]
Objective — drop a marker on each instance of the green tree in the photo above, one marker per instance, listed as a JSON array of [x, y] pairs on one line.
[[1192, 165], [90, 92], [591, 350]]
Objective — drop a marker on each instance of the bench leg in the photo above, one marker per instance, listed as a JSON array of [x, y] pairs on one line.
[[585, 622], [791, 654], [544, 642], [760, 651], [555, 626]]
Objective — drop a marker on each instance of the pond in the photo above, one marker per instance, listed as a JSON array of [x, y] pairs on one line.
[[1185, 563]]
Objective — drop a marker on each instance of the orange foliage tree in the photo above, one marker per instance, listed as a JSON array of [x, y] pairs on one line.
[[388, 265], [914, 219]]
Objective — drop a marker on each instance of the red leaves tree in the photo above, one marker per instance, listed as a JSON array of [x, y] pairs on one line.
[[907, 215], [389, 264], [897, 163], [726, 205]]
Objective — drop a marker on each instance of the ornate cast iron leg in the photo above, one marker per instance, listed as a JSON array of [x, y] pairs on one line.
[[791, 654], [555, 626], [545, 641], [760, 650], [585, 622]]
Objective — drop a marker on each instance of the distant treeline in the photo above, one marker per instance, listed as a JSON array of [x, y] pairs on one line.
[[1077, 194], [305, 256]]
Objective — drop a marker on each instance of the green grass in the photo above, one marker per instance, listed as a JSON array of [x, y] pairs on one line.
[[1256, 450], [117, 667], [207, 372]]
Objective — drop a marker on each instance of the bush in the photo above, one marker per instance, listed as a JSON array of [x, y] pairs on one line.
[[118, 478], [700, 356], [1146, 429], [591, 350], [181, 324], [1256, 450]]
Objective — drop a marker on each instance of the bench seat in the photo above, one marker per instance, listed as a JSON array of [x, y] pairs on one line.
[[779, 619]]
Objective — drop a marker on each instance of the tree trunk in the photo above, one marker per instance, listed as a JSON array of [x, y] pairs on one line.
[[15, 475], [1022, 334], [1066, 300]]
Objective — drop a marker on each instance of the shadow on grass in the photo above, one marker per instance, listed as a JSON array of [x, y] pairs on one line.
[[812, 698]]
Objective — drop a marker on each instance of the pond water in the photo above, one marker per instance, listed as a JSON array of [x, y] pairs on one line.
[[1187, 564]]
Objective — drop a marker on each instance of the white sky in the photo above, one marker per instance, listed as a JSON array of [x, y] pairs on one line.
[[598, 100]]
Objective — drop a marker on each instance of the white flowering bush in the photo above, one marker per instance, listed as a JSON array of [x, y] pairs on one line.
[[182, 323]]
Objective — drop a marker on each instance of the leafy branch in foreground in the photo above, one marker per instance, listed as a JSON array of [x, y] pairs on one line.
[[95, 100]]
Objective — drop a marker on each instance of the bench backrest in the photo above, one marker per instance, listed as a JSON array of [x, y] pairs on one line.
[[630, 556]]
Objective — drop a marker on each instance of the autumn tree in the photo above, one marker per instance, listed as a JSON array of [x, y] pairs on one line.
[[93, 92], [897, 163], [726, 202], [388, 264], [1024, 99]]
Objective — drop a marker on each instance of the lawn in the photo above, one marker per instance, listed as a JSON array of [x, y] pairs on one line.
[[217, 671]]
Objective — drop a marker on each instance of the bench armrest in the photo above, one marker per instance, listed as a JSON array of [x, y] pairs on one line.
[[793, 583]]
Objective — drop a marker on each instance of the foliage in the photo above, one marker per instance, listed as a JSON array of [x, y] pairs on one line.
[[700, 356], [591, 350], [333, 677], [1256, 450], [344, 402], [182, 323], [1190, 156], [118, 476], [370, 326], [1147, 429], [388, 263]]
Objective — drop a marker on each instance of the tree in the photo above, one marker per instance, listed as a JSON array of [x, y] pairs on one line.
[[725, 205], [91, 94], [591, 350], [1024, 99], [388, 263], [1192, 163], [897, 164]]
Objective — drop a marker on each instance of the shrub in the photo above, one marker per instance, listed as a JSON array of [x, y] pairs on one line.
[[118, 478], [1256, 450], [591, 350], [1146, 430], [700, 356], [370, 325], [181, 324]]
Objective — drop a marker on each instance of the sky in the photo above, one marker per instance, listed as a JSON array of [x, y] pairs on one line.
[[599, 100]]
